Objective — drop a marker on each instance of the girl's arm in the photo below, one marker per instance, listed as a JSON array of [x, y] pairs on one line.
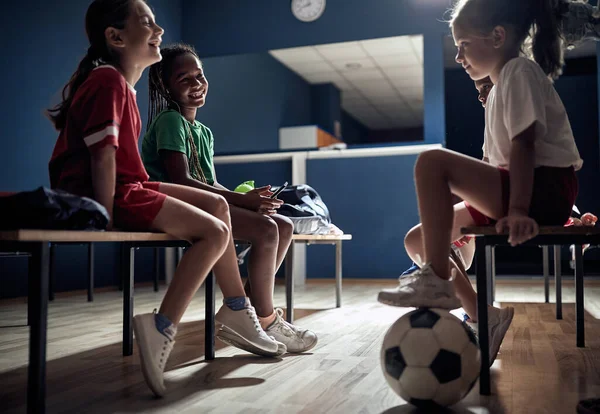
[[522, 162], [178, 170], [104, 178]]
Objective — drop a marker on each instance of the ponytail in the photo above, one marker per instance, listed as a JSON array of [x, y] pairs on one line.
[[546, 38]]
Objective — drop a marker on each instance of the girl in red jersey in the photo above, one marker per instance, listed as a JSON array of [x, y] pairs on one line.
[[96, 155]]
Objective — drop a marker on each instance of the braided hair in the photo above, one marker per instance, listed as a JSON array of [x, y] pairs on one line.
[[100, 15], [160, 97]]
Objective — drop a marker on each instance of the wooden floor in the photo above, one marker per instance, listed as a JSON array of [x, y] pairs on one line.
[[539, 369]]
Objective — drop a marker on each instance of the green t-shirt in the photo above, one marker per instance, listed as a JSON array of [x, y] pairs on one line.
[[169, 131]]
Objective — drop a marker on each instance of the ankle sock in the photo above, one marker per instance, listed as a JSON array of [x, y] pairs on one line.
[[236, 303], [162, 323], [266, 321]]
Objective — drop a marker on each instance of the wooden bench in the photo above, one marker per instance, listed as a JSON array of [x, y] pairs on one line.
[[36, 244], [486, 237]]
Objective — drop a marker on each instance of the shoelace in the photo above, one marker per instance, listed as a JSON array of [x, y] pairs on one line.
[[252, 314], [166, 351], [288, 329]]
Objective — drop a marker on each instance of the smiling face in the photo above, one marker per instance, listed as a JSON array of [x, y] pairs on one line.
[[141, 37], [483, 86], [187, 84], [476, 53]]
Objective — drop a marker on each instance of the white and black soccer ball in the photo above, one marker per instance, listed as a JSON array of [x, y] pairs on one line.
[[430, 358]]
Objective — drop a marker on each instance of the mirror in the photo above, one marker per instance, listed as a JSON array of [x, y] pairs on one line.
[[357, 93], [379, 82]]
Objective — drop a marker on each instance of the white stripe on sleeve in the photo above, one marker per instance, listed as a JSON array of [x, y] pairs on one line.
[[100, 135]]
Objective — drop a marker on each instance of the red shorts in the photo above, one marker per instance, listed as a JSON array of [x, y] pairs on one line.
[[137, 205], [552, 200]]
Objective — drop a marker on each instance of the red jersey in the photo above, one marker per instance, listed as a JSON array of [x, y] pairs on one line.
[[104, 111]]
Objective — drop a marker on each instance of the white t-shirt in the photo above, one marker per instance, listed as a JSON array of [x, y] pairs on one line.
[[524, 95]]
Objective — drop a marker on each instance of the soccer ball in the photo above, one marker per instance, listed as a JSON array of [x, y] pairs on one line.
[[430, 358]]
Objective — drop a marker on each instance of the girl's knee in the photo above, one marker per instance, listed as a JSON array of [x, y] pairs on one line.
[[412, 240], [267, 231], [430, 159], [221, 208], [285, 227], [219, 235]]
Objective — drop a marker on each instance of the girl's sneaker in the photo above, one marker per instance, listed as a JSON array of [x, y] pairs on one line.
[[499, 321], [242, 330], [422, 289], [295, 339], [154, 348]]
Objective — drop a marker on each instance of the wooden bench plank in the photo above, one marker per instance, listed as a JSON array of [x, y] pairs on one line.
[[544, 230], [119, 236], [82, 236], [311, 237]]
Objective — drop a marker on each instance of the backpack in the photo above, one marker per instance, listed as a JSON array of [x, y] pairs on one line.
[[304, 206], [44, 208]]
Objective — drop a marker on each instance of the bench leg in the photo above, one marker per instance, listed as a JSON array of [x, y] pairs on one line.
[[156, 267], [482, 315], [51, 272], [90, 272], [289, 283], [38, 320], [127, 272], [489, 269], [558, 281], [546, 267], [179, 255], [579, 308], [209, 318], [338, 274], [493, 278], [121, 267]]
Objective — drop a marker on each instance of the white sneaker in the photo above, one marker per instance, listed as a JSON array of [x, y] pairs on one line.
[[154, 348], [422, 289], [499, 321], [242, 330], [295, 339]]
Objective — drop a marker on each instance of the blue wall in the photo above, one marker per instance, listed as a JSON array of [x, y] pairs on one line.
[[326, 102], [353, 131], [46, 44], [256, 94], [464, 114], [353, 189]]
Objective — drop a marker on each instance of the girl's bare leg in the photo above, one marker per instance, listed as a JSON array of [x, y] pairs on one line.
[[263, 233], [226, 268], [413, 243], [438, 174], [208, 236]]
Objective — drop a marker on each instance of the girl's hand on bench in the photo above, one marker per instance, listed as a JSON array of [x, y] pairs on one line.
[[520, 227]]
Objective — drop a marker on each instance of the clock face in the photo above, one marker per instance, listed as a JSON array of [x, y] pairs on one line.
[[308, 10]]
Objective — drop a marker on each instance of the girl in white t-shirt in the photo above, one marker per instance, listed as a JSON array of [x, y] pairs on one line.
[[530, 178]]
